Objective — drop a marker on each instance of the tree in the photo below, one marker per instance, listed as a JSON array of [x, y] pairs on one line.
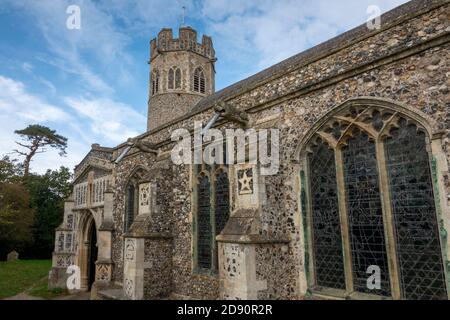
[[10, 170], [47, 194], [16, 218], [36, 138]]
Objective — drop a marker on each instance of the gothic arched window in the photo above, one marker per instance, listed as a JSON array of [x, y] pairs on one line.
[[213, 211], [132, 198], [174, 78], [177, 78], [171, 79], [372, 207], [199, 80], [155, 82], [130, 211]]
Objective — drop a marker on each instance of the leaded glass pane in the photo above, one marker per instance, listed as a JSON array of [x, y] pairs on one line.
[[204, 232], [327, 241], [222, 202], [130, 207], [364, 212], [413, 207]]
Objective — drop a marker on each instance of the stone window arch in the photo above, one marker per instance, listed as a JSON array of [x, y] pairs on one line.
[[178, 78], [155, 82], [174, 78], [199, 80], [212, 211], [369, 199], [132, 197]]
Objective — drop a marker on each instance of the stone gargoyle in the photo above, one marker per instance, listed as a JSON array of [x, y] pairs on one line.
[[142, 146], [230, 113]]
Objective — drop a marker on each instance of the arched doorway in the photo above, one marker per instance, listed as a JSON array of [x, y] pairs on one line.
[[87, 250], [92, 255]]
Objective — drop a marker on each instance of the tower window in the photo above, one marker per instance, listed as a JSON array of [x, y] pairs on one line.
[[155, 82], [199, 81], [171, 79], [174, 78], [178, 79]]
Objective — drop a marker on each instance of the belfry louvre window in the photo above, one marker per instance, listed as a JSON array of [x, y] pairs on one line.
[[199, 81], [371, 204], [213, 211]]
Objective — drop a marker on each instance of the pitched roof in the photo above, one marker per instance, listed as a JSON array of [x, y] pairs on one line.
[[393, 17]]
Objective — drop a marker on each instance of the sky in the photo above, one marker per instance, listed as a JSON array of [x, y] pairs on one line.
[[91, 84]]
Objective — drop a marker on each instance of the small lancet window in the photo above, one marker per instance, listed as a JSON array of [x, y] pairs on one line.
[[155, 82], [174, 78], [171, 79], [199, 81]]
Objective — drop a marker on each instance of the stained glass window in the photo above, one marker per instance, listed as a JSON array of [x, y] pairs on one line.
[[365, 214], [222, 205], [328, 258], [376, 184], [213, 215], [204, 232], [411, 188], [130, 206]]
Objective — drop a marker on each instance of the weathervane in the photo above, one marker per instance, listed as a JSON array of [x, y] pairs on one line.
[[183, 16]]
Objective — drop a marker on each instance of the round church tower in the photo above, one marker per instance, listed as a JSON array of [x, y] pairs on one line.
[[181, 73]]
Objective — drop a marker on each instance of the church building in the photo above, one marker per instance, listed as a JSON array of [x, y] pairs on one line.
[[362, 188]]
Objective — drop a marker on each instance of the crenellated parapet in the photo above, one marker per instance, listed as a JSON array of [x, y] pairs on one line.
[[186, 41]]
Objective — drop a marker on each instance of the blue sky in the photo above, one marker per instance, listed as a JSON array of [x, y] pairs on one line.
[[91, 84]]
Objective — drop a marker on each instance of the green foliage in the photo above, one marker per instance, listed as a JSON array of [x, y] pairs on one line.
[[40, 289], [32, 205], [10, 170], [47, 194], [44, 136], [18, 276], [36, 139], [30, 209], [16, 218]]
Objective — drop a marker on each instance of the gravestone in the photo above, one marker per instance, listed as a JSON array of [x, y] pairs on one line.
[[12, 256]]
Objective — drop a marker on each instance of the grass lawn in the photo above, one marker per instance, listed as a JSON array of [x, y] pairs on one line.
[[25, 275]]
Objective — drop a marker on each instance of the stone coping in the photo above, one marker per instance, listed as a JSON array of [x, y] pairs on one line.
[[251, 239], [148, 236]]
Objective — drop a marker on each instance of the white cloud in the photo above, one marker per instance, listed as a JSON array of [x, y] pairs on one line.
[[15, 101], [88, 52], [96, 60], [264, 32], [111, 120], [18, 109], [138, 16]]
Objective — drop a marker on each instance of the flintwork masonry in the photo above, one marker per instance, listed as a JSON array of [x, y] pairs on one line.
[[364, 179]]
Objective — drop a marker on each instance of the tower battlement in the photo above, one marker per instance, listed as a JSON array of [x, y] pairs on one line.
[[186, 41]]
